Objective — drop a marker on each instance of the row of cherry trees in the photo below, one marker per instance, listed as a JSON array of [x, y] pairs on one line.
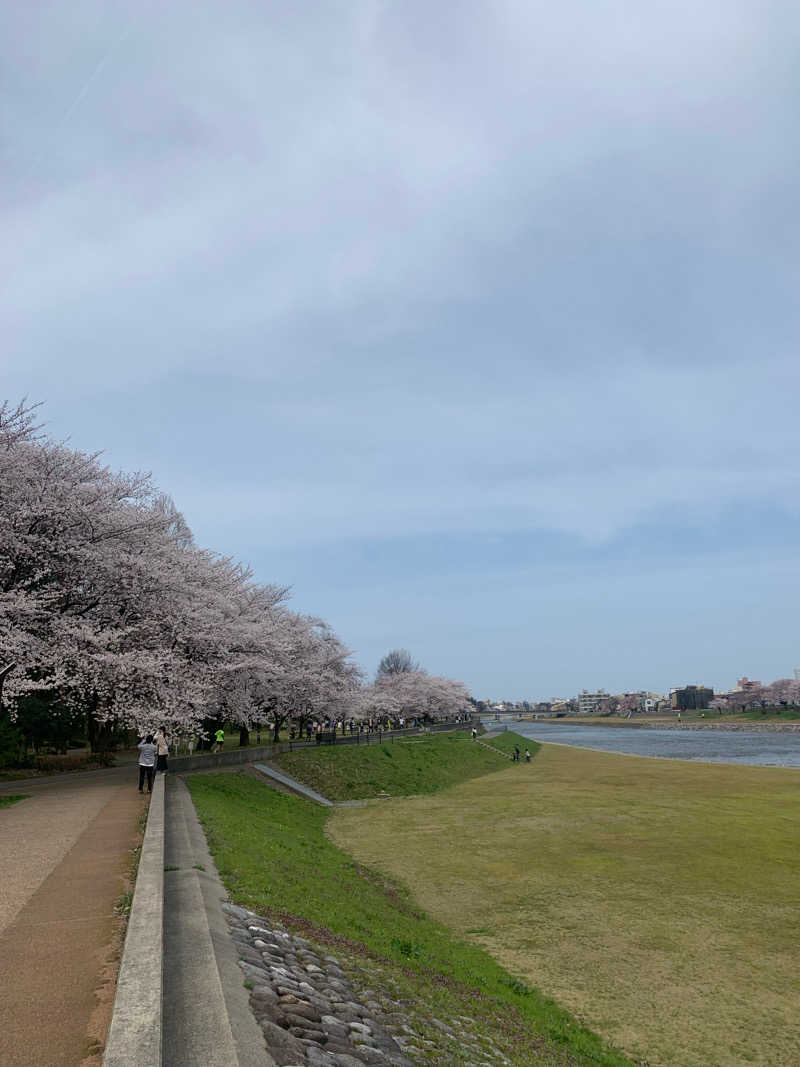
[[107, 602], [783, 691]]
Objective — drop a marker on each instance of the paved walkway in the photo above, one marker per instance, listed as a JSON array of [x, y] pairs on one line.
[[64, 854]]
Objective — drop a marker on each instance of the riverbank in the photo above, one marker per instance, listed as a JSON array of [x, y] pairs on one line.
[[656, 899], [751, 725]]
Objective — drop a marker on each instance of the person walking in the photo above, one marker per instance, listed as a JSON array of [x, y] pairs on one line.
[[527, 756], [219, 740], [516, 753], [162, 749], [147, 762], [474, 734]]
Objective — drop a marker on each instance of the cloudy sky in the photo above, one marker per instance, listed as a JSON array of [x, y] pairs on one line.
[[475, 322]]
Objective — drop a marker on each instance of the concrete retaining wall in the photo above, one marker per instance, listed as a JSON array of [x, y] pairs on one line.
[[135, 1035]]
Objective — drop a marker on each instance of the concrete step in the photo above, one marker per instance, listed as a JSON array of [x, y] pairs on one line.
[[206, 1014]]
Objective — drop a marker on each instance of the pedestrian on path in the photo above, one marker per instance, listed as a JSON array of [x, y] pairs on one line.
[[474, 734], [147, 762], [516, 753], [162, 749], [527, 756], [219, 740]]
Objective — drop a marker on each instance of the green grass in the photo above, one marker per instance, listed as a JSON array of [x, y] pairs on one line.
[[275, 858], [505, 743], [657, 899], [6, 802], [772, 713], [404, 767]]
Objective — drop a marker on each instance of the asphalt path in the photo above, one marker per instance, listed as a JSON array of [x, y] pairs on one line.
[[64, 855]]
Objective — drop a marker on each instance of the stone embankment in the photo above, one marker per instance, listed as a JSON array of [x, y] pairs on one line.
[[312, 1016], [303, 1002]]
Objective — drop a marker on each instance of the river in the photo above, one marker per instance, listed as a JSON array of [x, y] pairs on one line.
[[763, 748]]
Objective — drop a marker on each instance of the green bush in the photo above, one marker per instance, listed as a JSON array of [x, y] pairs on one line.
[[10, 744]]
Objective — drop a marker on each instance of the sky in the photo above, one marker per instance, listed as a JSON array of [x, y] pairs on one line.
[[476, 323]]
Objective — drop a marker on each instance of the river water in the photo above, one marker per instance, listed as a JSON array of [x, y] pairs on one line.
[[763, 748]]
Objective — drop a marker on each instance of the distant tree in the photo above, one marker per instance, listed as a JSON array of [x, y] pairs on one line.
[[398, 661], [783, 691], [629, 702], [608, 705]]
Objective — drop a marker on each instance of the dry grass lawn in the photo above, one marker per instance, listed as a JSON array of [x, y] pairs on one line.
[[658, 900]]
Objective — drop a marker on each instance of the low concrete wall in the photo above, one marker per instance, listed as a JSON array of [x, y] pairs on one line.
[[207, 760], [135, 1035]]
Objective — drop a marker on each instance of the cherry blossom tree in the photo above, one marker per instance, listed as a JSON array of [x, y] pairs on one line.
[[628, 703], [108, 605], [783, 691], [103, 596], [416, 693], [608, 705]]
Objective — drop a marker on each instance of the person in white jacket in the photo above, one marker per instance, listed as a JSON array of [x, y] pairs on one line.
[[147, 760], [162, 749]]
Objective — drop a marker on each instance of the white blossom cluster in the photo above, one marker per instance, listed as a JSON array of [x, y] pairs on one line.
[[106, 600], [754, 695]]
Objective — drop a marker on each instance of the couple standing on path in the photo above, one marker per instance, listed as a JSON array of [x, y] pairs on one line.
[[153, 748]]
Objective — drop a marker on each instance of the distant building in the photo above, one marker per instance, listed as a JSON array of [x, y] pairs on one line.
[[645, 700], [690, 697], [797, 673], [588, 703]]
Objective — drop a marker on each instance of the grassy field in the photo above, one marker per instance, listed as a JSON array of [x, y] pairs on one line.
[[763, 714], [404, 767], [659, 900], [274, 856], [6, 802]]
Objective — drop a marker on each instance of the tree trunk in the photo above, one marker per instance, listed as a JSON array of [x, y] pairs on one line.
[[6, 670], [244, 737], [102, 735], [92, 725]]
